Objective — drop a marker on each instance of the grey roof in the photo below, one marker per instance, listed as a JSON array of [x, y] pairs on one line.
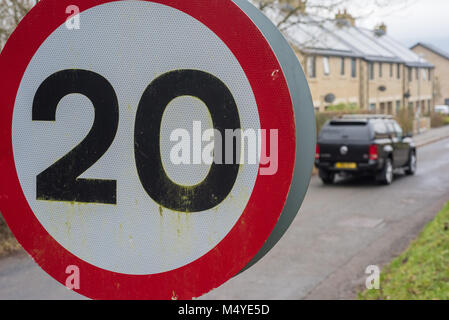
[[348, 40], [342, 39], [433, 48]]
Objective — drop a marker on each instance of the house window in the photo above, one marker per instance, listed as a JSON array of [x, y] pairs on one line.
[[380, 69], [410, 74], [354, 67], [311, 66], [398, 106], [326, 66], [391, 70], [342, 66], [371, 71], [390, 107], [399, 71], [372, 107]]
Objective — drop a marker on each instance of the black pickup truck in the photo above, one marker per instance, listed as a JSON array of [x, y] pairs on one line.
[[364, 145]]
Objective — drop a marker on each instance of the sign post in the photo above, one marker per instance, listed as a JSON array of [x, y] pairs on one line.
[[157, 148]]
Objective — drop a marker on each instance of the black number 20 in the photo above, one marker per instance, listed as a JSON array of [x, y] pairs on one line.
[[60, 181]]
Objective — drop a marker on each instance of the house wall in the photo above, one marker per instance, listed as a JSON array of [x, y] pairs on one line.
[[366, 92], [420, 89], [364, 85], [345, 87], [385, 90], [441, 76]]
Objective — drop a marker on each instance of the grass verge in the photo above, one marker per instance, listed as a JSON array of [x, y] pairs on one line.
[[422, 271], [8, 244]]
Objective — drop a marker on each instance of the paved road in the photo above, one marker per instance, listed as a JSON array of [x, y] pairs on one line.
[[340, 230]]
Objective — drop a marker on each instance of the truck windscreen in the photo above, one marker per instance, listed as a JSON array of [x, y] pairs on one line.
[[349, 131]]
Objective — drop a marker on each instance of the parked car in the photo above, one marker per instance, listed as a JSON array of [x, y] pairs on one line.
[[364, 145], [443, 109]]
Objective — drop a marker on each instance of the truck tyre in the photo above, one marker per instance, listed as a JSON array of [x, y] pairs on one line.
[[326, 176], [412, 164], [386, 175]]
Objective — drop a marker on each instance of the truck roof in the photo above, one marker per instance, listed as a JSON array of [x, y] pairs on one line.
[[343, 122], [365, 117]]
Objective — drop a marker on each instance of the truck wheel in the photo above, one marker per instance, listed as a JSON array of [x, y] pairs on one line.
[[386, 175], [412, 164], [327, 177]]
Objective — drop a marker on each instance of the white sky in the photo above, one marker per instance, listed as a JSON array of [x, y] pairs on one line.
[[419, 21]]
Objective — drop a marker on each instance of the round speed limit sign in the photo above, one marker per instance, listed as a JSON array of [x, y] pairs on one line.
[[156, 147]]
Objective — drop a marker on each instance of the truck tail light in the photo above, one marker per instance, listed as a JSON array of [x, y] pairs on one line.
[[373, 152], [317, 154]]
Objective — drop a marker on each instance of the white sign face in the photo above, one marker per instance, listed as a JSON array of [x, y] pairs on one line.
[[156, 147], [117, 40]]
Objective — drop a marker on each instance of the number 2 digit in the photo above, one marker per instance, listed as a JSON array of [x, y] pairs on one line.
[[60, 181]]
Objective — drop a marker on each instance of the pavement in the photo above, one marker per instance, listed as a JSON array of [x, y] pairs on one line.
[[431, 136], [339, 231]]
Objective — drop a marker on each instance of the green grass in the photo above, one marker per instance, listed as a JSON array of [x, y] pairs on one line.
[[348, 107], [8, 244], [422, 271]]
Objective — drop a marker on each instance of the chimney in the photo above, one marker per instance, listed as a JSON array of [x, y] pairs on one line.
[[380, 30], [289, 5], [344, 18]]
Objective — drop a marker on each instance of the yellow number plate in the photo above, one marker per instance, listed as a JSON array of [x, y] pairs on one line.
[[346, 165]]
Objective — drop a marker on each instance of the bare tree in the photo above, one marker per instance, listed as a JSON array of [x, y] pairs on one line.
[[288, 12], [292, 12], [11, 12]]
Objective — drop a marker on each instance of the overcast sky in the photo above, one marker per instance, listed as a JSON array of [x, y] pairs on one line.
[[419, 21]]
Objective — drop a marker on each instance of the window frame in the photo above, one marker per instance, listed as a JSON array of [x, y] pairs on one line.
[[380, 134], [311, 67], [399, 133], [342, 66], [424, 74], [326, 66], [371, 71], [354, 68]]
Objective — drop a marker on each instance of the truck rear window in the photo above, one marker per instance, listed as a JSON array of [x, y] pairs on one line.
[[344, 130]]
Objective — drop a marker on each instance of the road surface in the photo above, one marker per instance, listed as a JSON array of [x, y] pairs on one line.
[[340, 230]]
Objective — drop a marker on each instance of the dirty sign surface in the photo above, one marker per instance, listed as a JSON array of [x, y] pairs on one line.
[[96, 169]]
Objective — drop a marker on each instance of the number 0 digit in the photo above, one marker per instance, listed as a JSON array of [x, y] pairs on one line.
[[223, 109]]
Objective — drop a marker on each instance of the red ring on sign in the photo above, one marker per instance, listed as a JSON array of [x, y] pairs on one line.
[[264, 207]]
